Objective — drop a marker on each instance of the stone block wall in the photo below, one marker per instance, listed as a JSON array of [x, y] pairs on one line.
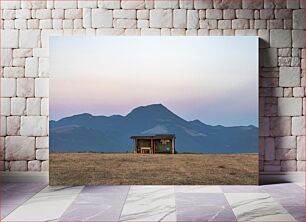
[[26, 27]]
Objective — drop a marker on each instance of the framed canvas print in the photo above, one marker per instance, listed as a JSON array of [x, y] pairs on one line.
[[153, 110]]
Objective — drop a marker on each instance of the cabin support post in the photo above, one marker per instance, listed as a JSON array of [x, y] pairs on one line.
[[172, 145]]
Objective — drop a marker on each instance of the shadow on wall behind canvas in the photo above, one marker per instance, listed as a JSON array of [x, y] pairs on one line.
[[153, 110]]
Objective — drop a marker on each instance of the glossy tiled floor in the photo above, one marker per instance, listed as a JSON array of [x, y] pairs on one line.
[[39, 202]]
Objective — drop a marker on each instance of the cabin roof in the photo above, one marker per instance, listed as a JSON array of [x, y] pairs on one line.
[[157, 136]]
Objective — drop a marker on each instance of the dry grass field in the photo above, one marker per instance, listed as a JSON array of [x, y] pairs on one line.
[[158, 169]]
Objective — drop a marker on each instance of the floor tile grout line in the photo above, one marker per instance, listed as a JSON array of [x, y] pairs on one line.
[[127, 194]]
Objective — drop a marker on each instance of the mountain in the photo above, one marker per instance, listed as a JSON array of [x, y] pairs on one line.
[[85, 132]]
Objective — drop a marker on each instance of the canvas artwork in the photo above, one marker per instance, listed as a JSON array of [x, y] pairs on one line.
[[153, 110]]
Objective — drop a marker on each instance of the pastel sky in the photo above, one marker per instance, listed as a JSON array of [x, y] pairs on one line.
[[213, 79]]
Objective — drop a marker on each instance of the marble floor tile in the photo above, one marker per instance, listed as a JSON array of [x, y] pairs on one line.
[[149, 203], [257, 207], [203, 207], [289, 199], [47, 205], [283, 188], [298, 212], [197, 189], [97, 203], [241, 189]]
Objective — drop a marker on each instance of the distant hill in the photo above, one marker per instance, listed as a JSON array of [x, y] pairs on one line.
[[85, 132]]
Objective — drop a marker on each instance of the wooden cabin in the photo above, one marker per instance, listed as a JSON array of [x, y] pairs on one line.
[[161, 143]]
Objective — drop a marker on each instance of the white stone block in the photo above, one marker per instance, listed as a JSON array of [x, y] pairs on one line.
[[214, 14], [34, 126], [203, 4], [10, 4], [23, 14], [280, 126], [132, 4], [42, 142], [166, 4], [186, 4], [33, 4], [142, 24], [13, 125], [9, 38], [143, 14], [25, 87], [252, 4], [3, 128], [6, 57], [87, 18], [18, 166], [192, 19], [13, 72], [8, 14], [66, 4], [43, 68], [298, 92], [19, 148], [240, 24], [298, 19], [18, 106], [5, 106], [102, 18], [178, 32], [67, 24], [245, 14], [73, 13], [31, 67], [29, 38], [179, 18], [285, 154], [298, 126], [109, 4], [150, 32], [41, 87], [20, 23], [288, 165], [21, 53], [43, 13], [298, 38], [227, 4], [78, 27], [270, 57], [33, 106], [125, 23], [34, 165], [8, 87], [285, 142], [289, 106], [124, 14], [87, 4], [132, 32], [45, 166], [165, 32], [293, 4], [110, 32], [289, 76], [191, 32], [58, 13], [8, 24], [301, 148], [280, 38], [160, 18], [224, 24], [269, 148], [45, 107], [42, 154], [19, 62], [301, 166], [46, 24]]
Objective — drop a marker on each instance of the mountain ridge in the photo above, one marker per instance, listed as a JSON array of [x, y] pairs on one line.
[[111, 133]]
